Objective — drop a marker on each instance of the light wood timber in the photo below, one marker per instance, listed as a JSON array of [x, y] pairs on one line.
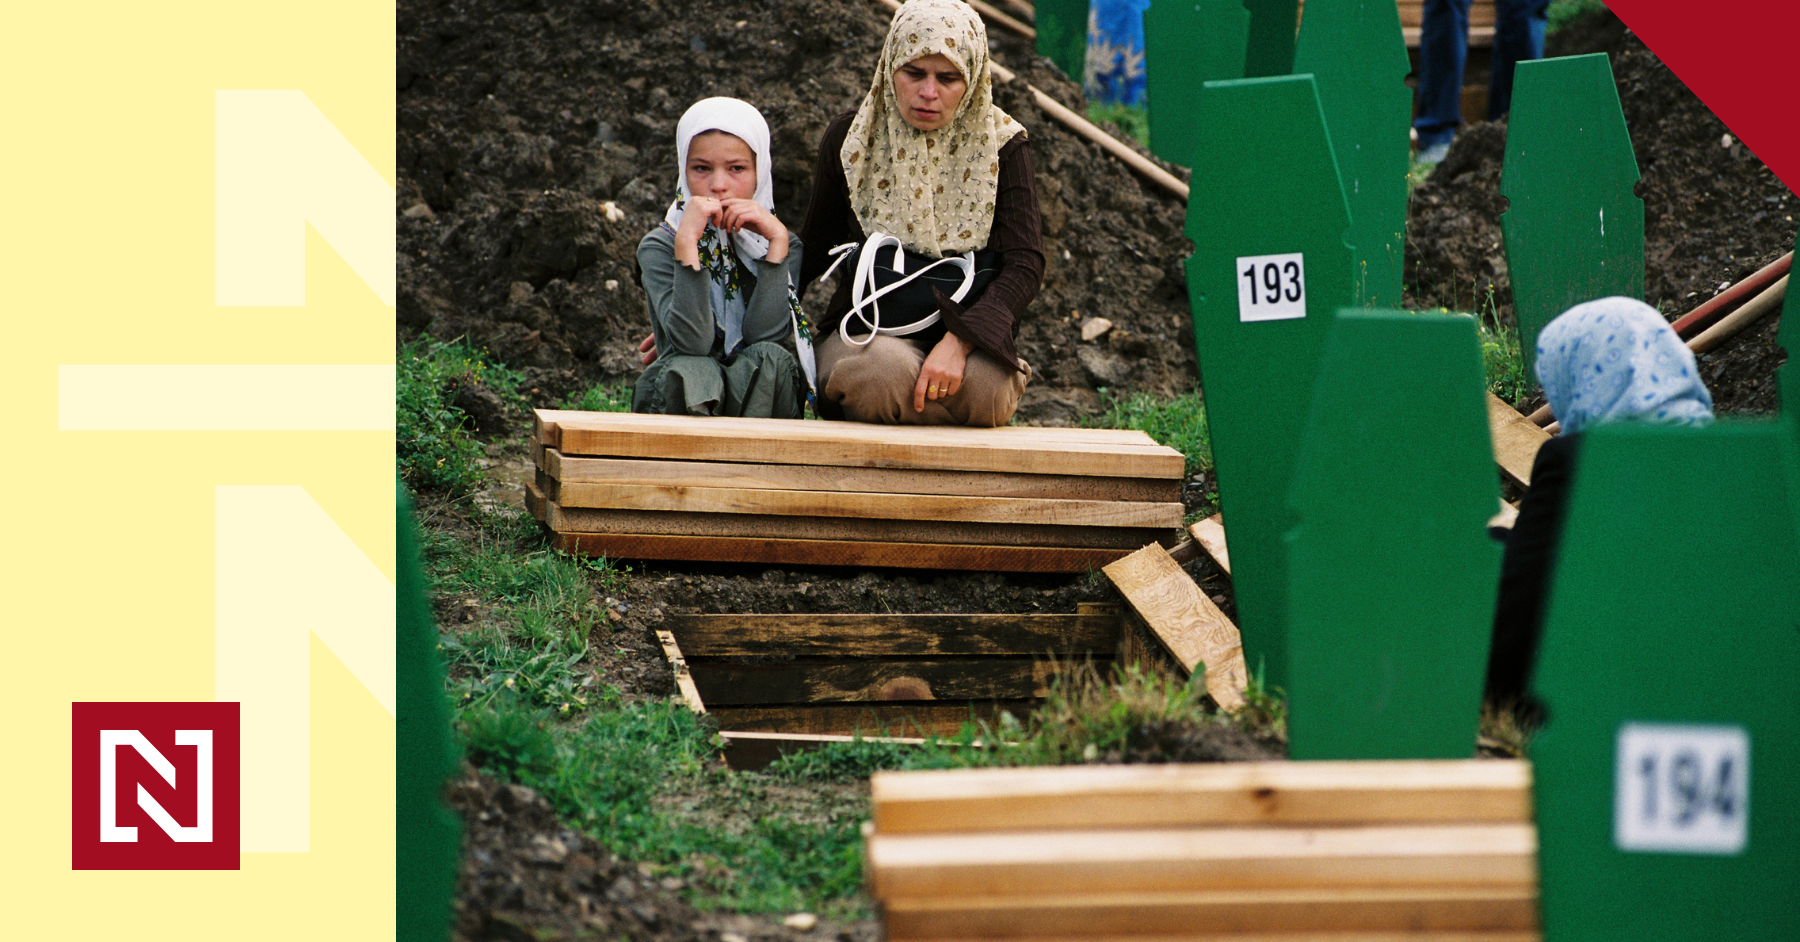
[[730, 500], [1516, 440], [790, 477], [770, 526], [1091, 862], [1465, 791], [751, 752], [920, 635], [880, 719], [1117, 453], [990, 12], [1210, 534], [970, 557], [724, 684], [1220, 912], [536, 504], [684, 681], [1185, 620]]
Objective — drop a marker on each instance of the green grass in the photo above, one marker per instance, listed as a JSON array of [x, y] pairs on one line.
[[603, 398], [432, 446], [1564, 12], [1179, 423], [1504, 362], [1132, 119]]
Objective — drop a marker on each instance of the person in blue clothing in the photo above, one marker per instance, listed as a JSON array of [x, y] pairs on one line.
[[1114, 72], [1443, 47]]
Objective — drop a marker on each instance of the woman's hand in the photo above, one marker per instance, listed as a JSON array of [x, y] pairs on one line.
[[942, 374], [648, 349], [701, 211], [740, 214]]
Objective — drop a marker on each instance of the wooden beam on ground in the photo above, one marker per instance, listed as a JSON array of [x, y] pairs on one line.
[[684, 681], [724, 684], [870, 718], [573, 469], [1093, 862], [990, 12], [1516, 440], [873, 635], [975, 558], [1210, 535], [1238, 794], [1187, 622]]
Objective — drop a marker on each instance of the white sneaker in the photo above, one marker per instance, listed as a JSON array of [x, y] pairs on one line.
[[1433, 154]]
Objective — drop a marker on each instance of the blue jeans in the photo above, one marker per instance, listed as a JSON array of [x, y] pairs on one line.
[[1443, 48]]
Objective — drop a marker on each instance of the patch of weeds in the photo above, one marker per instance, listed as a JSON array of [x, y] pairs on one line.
[[432, 446], [1179, 423], [1416, 173], [1564, 12], [1132, 119], [603, 398], [1501, 356]]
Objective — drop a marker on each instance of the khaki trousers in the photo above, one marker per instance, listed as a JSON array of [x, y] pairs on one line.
[[875, 384]]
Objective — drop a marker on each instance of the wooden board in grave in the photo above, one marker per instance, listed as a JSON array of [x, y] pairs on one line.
[[1186, 44], [1668, 775], [1574, 230], [1357, 56], [1271, 47], [1391, 572], [1267, 219], [1062, 34]]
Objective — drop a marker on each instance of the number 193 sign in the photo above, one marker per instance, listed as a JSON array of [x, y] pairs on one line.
[[1271, 287], [1681, 789]]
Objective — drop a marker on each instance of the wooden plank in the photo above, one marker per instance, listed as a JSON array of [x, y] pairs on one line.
[[1220, 912], [1516, 440], [768, 526], [1099, 452], [732, 500], [1043, 863], [751, 752], [1210, 534], [1184, 620], [1241, 793], [894, 718], [684, 681], [812, 681], [794, 477], [969, 557], [536, 504], [921, 635]]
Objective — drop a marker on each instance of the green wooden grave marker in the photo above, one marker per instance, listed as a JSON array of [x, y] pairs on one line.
[[1391, 572], [1663, 685], [426, 840], [1788, 336], [1357, 56], [1062, 34], [1188, 43], [1267, 219], [1271, 47], [1575, 230]]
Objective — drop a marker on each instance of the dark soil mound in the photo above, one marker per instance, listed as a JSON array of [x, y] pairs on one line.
[[519, 121], [1713, 213]]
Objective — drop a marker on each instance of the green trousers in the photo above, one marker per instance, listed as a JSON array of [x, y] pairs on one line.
[[763, 380]]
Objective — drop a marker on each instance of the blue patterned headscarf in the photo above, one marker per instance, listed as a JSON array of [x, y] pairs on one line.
[[1614, 360]]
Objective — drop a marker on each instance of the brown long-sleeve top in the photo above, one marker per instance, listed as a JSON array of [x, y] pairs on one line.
[[1016, 235]]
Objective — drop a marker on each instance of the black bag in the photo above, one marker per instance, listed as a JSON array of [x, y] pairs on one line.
[[891, 291]]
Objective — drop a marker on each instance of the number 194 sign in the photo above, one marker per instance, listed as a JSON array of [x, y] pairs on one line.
[[1681, 789], [1271, 287]]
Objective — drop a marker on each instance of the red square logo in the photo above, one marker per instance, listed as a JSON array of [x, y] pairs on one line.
[[155, 786]]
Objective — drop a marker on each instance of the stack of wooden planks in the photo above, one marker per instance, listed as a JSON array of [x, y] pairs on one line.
[[842, 493], [781, 683], [1316, 850]]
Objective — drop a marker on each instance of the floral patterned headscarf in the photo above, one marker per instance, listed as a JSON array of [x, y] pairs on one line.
[[933, 190], [1616, 359]]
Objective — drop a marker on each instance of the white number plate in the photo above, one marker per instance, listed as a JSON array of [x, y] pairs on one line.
[[1681, 789], [1271, 287]]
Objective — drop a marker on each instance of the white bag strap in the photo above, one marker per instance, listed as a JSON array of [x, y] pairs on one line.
[[865, 296]]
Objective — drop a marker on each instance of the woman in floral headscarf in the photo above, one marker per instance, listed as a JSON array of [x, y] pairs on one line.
[[1606, 361], [929, 159]]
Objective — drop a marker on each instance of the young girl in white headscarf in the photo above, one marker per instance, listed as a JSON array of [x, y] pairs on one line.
[[929, 159], [719, 274], [1605, 361]]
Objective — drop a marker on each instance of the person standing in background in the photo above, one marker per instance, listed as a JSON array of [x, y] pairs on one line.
[[1443, 48], [1114, 72]]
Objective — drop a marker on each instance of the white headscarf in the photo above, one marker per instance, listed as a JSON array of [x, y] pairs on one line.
[[741, 120], [1617, 359]]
